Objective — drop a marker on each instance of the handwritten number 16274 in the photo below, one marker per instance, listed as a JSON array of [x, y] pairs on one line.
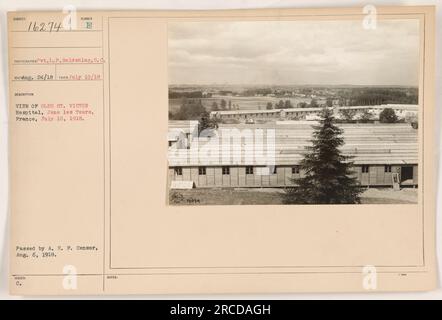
[[44, 26]]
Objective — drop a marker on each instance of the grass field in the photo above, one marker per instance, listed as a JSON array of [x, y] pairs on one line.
[[243, 196], [243, 103]]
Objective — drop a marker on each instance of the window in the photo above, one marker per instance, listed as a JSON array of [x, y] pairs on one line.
[[249, 170], [295, 170], [226, 170], [387, 169], [365, 169], [179, 171], [202, 171]]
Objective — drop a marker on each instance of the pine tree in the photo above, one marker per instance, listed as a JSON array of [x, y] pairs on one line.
[[205, 122], [327, 178]]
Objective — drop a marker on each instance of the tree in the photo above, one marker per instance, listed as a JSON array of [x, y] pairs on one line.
[[205, 122], [313, 103], [280, 105], [388, 116], [377, 96], [190, 110], [329, 102], [327, 173], [348, 114], [215, 106], [366, 116], [269, 106], [302, 105], [185, 94], [223, 104], [288, 104]]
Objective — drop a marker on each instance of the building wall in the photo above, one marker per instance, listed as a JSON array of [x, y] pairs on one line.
[[376, 176], [415, 175], [400, 111]]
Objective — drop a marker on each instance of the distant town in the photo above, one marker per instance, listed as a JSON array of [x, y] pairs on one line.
[[188, 102]]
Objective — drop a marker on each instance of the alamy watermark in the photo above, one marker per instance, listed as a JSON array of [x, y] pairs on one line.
[[369, 22], [369, 277], [225, 146]]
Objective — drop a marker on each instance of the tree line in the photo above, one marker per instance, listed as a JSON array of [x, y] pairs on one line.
[[187, 94], [378, 96], [287, 104]]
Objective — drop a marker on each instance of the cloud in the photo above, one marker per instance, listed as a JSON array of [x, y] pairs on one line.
[[294, 52]]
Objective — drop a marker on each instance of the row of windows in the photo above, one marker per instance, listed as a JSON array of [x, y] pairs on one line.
[[249, 170], [226, 170], [366, 169], [268, 114]]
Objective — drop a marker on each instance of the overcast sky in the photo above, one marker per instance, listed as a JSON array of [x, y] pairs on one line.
[[294, 52]]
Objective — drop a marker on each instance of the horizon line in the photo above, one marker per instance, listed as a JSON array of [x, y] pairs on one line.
[[311, 85]]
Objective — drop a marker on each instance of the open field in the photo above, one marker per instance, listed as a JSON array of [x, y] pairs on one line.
[[243, 103], [388, 195], [243, 196]]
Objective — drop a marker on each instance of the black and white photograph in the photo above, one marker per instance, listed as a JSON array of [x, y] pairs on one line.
[[293, 112]]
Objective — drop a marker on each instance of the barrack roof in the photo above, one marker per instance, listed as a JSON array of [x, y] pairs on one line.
[[368, 144], [403, 107]]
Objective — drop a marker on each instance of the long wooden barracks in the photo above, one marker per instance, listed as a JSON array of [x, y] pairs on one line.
[[382, 154]]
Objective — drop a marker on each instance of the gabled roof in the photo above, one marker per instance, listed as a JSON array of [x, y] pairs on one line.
[[402, 107], [382, 144]]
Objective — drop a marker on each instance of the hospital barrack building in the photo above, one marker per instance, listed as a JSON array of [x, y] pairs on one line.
[[379, 152]]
